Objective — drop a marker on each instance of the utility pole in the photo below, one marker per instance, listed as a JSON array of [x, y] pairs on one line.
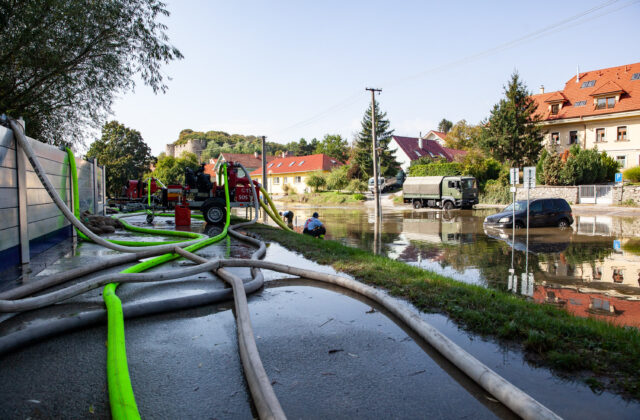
[[376, 191], [265, 179]]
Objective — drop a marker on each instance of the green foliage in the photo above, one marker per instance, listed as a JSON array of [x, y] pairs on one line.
[[337, 179], [540, 166], [124, 153], [483, 169], [436, 169], [360, 197], [464, 136], [170, 170], [62, 63], [444, 125], [362, 148], [632, 174], [335, 146], [581, 167], [512, 134], [495, 193], [316, 181], [357, 185]]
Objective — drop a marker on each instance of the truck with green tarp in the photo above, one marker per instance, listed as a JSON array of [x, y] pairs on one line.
[[446, 192]]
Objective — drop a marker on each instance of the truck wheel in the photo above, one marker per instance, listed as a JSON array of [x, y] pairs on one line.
[[447, 205], [214, 213], [417, 204]]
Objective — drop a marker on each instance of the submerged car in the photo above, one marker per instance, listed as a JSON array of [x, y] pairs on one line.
[[543, 212]]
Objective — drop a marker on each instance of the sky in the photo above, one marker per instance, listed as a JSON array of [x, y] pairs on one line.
[[293, 69]]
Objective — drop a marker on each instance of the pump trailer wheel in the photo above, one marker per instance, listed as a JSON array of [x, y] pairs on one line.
[[214, 213]]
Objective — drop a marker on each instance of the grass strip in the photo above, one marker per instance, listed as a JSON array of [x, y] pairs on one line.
[[603, 355]]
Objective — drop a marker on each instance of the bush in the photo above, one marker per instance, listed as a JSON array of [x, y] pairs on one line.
[[436, 169], [360, 197], [316, 181], [286, 189], [337, 179], [632, 174], [495, 193], [483, 169], [356, 185], [577, 167]]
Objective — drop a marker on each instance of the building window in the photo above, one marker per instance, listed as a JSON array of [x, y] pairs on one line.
[[611, 102], [580, 103], [276, 180], [636, 76], [279, 165], [601, 103], [284, 180], [588, 83], [301, 162], [292, 163], [622, 134], [417, 153], [555, 138], [600, 135], [573, 137], [622, 160], [555, 108], [297, 179]]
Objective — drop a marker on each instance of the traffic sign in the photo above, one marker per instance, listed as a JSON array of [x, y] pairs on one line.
[[529, 177], [616, 245], [618, 176], [514, 176]]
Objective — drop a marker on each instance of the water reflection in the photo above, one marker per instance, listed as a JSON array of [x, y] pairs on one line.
[[592, 269]]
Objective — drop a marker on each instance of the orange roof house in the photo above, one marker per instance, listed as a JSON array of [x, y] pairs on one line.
[[293, 171], [250, 161], [598, 108]]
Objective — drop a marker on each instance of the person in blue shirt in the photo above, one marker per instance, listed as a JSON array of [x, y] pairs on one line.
[[314, 227]]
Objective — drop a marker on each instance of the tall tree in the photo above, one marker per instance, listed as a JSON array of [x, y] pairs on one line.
[[62, 62], [124, 153], [445, 125], [512, 133], [335, 146], [463, 136], [170, 170], [362, 148]]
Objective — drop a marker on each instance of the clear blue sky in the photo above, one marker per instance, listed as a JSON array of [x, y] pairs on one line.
[[274, 67]]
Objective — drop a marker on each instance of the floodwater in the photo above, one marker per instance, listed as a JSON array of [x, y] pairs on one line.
[[592, 269]]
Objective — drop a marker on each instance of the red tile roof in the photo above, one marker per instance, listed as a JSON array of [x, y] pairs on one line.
[[611, 80], [291, 164], [431, 149], [439, 134], [248, 160]]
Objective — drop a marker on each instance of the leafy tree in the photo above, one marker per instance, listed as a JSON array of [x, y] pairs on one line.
[[445, 125], [362, 148], [124, 153], [316, 181], [335, 146], [480, 167], [512, 134], [356, 186], [337, 178], [170, 170], [577, 166], [63, 62], [463, 136]]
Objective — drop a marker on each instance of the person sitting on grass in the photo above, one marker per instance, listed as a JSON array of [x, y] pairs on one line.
[[314, 227]]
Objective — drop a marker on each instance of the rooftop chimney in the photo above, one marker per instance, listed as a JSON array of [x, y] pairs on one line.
[[422, 143], [541, 88], [284, 154], [577, 74]]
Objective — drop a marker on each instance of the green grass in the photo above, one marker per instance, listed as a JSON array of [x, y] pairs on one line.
[[587, 349], [328, 197]]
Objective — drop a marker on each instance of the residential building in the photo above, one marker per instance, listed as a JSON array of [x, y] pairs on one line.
[[248, 160], [599, 108], [293, 171], [408, 149], [437, 136]]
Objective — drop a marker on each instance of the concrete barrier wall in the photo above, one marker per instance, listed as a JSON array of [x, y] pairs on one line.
[[568, 193], [30, 222]]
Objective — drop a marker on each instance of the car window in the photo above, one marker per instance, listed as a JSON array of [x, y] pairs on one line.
[[547, 205], [536, 206], [562, 205], [452, 184]]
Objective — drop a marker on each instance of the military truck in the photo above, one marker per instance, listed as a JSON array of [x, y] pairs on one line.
[[446, 192]]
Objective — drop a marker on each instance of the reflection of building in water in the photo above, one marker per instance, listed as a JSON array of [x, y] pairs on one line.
[[619, 267], [613, 309]]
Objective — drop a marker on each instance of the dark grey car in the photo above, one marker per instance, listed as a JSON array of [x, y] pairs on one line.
[[543, 212]]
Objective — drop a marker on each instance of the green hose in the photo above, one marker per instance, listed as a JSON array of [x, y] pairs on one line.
[[274, 218], [121, 397], [272, 205]]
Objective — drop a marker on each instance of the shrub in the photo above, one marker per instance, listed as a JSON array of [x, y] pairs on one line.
[[576, 167], [356, 185], [495, 193], [436, 169], [337, 179], [316, 181], [632, 174], [483, 169], [286, 189], [360, 197]]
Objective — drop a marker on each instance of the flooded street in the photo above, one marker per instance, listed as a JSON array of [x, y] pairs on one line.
[[591, 269]]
